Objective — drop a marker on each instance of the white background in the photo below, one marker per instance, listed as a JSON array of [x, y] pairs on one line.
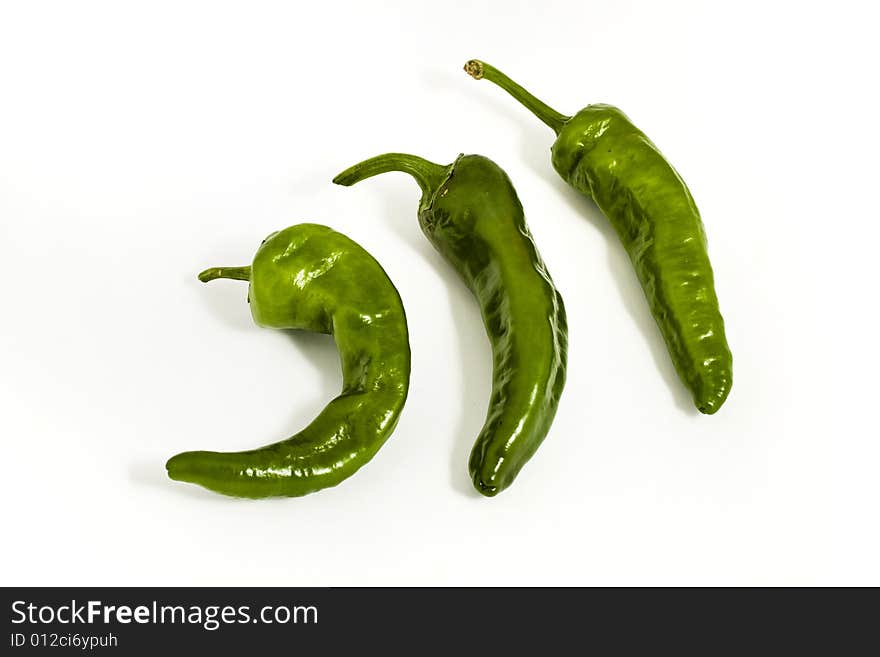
[[143, 142]]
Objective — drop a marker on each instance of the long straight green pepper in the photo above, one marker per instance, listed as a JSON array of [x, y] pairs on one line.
[[600, 153]]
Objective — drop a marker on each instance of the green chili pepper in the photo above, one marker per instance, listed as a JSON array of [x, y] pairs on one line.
[[600, 153], [312, 278], [471, 214]]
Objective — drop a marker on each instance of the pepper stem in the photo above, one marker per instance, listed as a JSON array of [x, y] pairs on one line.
[[428, 175], [235, 273], [479, 70]]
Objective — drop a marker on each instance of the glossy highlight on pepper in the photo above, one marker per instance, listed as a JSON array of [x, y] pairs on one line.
[[310, 277], [600, 153], [470, 212]]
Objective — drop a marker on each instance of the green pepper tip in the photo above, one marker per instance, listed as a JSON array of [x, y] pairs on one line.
[[175, 467], [486, 491], [343, 179], [710, 406]]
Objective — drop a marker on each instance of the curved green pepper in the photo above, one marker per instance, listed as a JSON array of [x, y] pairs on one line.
[[471, 214], [600, 153], [310, 277]]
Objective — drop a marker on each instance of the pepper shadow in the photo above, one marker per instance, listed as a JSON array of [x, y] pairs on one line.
[[226, 302], [323, 375], [401, 214], [536, 140], [476, 354], [324, 378]]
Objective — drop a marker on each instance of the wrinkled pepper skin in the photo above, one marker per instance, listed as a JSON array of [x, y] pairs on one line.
[[470, 212], [600, 153], [310, 277]]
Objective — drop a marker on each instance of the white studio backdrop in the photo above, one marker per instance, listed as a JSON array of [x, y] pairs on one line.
[[143, 142]]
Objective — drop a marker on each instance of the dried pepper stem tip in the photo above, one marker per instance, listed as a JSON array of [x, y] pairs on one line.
[[474, 68]]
